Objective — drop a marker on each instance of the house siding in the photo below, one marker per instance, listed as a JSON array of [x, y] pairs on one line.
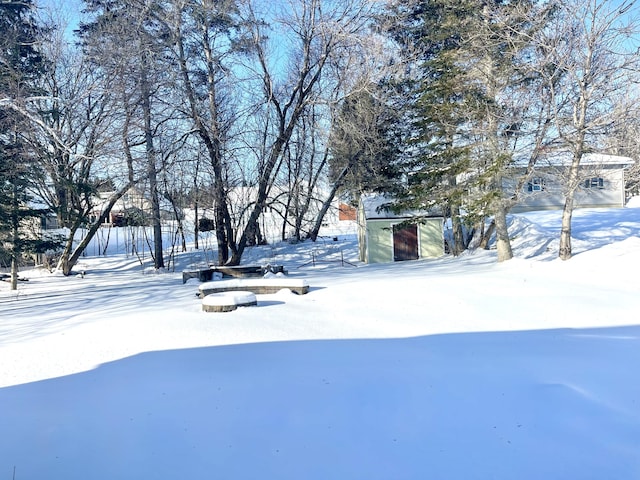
[[346, 213], [552, 197]]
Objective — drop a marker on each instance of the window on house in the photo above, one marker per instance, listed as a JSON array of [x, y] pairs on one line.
[[594, 182], [536, 184]]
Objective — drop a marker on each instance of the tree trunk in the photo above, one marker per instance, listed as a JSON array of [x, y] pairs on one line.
[[565, 233], [263, 191], [285, 219], [64, 264], [196, 203], [15, 234], [70, 256], [14, 273], [564, 251], [326, 204], [486, 235], [158, 251], [211, 138], [313, 234], [503, 244], [196, 227], [178, 217], [219, 209], [456, 224]]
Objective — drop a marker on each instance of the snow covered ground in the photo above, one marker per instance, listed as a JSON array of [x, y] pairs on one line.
[[455, 368]]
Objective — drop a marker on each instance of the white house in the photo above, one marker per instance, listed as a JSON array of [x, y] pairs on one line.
[[601, 183]]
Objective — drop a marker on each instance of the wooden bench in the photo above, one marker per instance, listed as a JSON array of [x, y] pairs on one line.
[[228, 301], [6, 277], [256, 285], [244, 271], [239, 271]]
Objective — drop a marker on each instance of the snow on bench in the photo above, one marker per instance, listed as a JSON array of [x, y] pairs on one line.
[[228, 301], [239, 271], [255, 285]]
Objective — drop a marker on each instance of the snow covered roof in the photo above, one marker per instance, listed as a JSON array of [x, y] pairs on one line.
[[557, 159], [604, 159], [373, 206]]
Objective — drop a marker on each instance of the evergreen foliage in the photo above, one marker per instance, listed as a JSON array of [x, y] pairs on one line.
[[459, 91], [21, 64]]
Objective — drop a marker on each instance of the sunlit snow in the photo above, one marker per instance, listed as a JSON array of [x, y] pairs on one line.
[[455, 368]]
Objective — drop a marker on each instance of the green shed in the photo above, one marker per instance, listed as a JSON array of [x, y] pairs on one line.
[[383, 238]]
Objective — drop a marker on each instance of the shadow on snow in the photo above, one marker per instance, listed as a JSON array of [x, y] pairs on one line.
[[537, 404]]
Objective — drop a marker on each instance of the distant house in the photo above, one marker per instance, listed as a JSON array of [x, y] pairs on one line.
[[347, 213], [133, 208], [382, 236], [48, 220], [282, 207], [601, 183]]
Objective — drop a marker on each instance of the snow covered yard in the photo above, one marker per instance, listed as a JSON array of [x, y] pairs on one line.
[[442, 369]]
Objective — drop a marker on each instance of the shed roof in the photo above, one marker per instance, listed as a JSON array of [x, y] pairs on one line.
[[373, 207]]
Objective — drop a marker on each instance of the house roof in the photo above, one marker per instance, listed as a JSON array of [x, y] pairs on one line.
[[559, 159], [373, 204], [604, 159]]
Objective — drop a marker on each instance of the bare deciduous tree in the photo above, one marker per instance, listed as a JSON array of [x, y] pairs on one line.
[[591, 48], [127, 41], [204, 37], [316, 32]]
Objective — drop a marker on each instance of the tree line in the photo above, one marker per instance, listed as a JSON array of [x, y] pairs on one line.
[[238, 106]]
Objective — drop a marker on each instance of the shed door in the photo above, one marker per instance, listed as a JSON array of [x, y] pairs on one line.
[[405, 243]]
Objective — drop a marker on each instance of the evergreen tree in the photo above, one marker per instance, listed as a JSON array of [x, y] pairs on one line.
[[437, 103], [20, 66], [464, 63]]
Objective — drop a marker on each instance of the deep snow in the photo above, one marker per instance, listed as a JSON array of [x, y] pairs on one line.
[[455, 368]]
